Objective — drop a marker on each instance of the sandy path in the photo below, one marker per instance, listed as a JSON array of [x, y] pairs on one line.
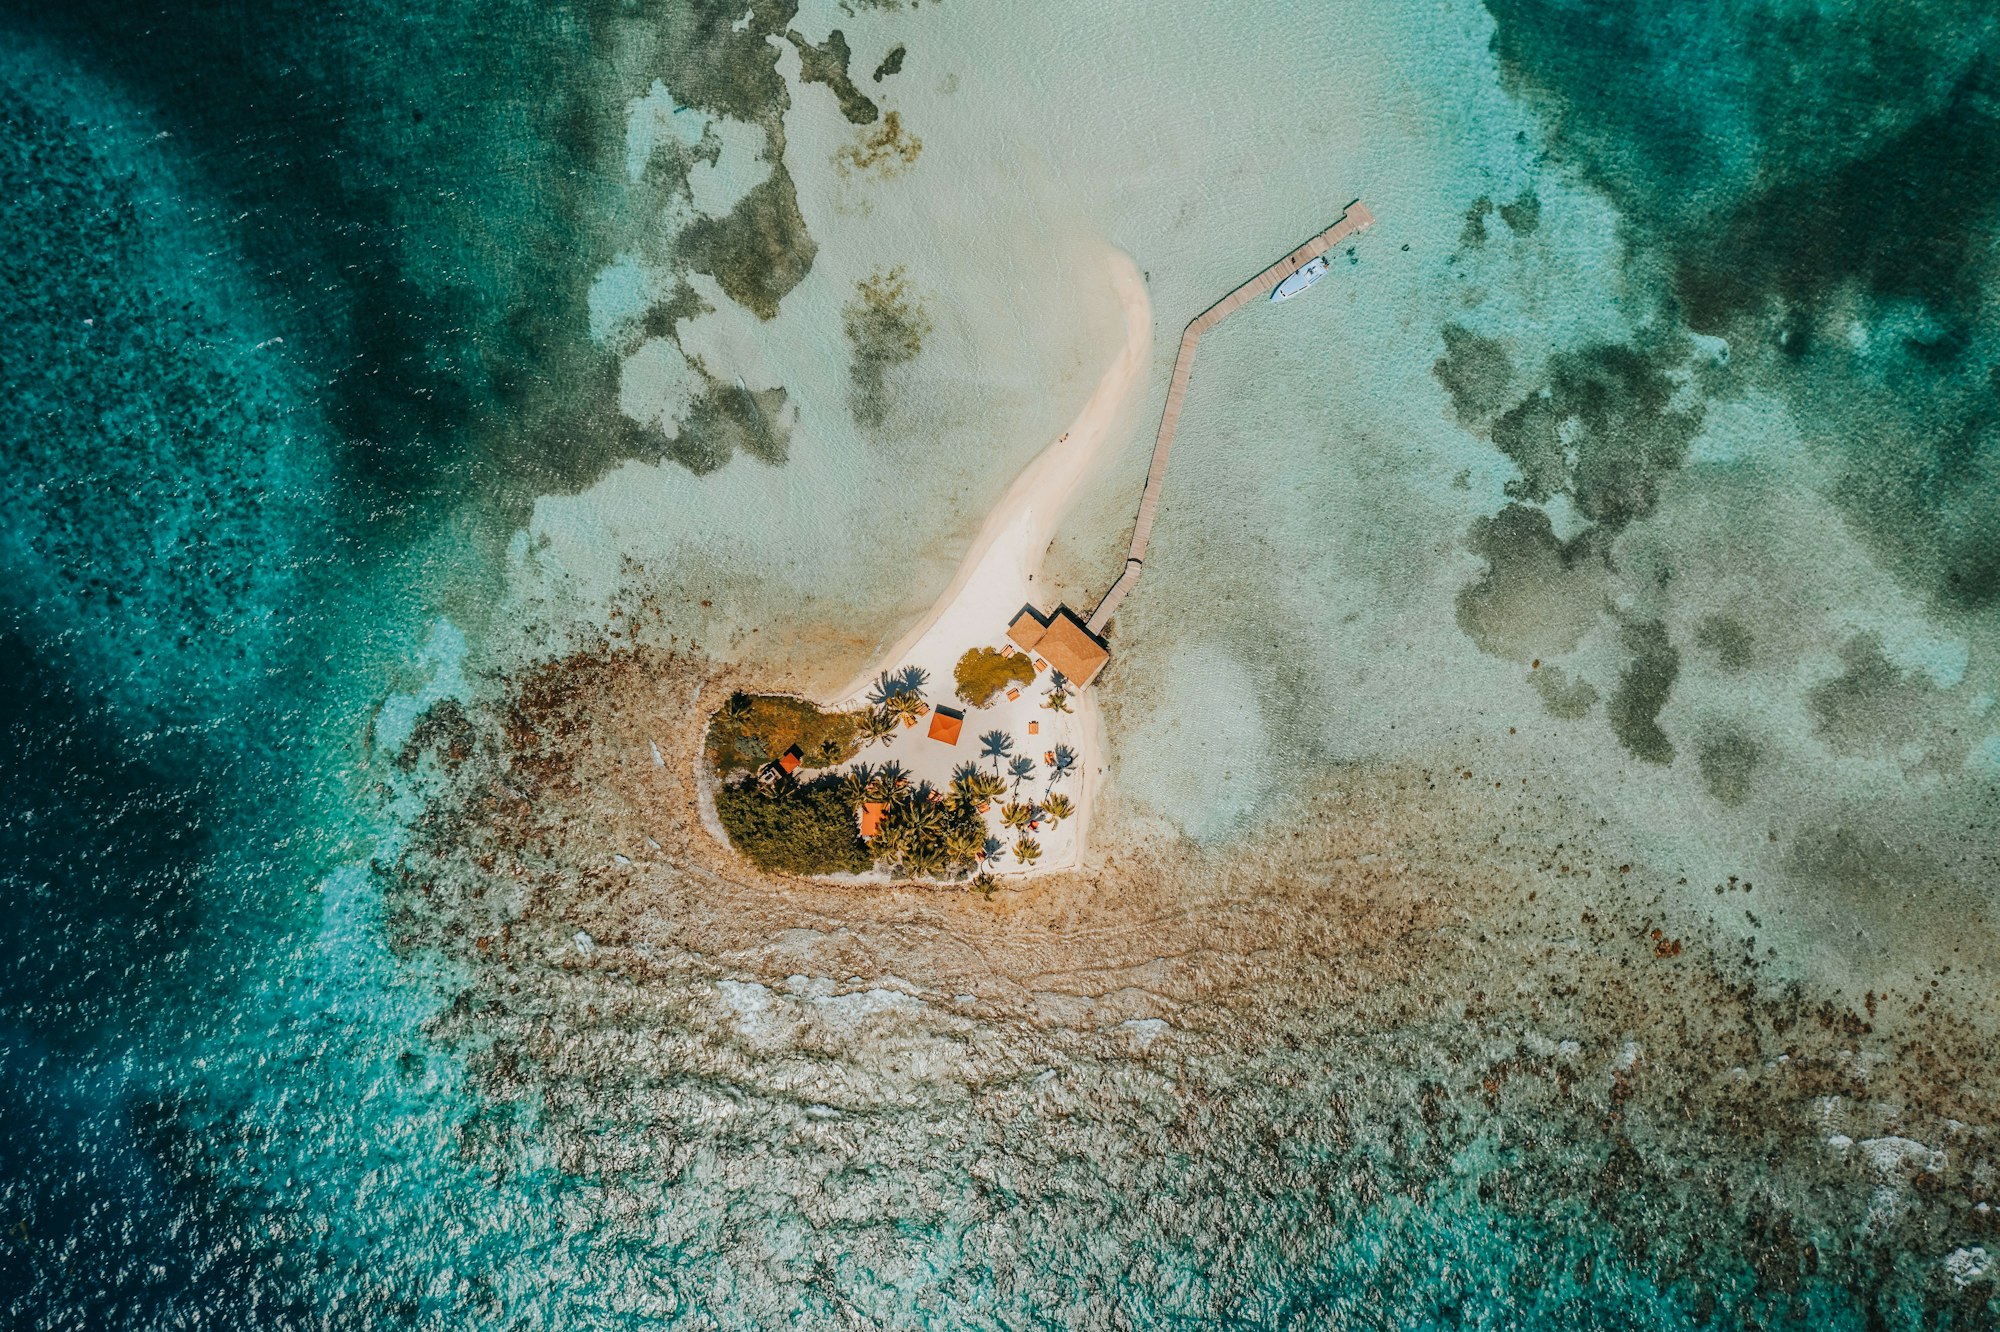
[[994, 579]]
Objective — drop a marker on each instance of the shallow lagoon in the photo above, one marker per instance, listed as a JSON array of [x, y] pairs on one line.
[[1365, 929]]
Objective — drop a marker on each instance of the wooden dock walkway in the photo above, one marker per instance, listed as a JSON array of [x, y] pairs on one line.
[[1356, 219]]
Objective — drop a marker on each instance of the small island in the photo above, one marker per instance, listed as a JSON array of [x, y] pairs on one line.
[[955, 796], [907, 788]]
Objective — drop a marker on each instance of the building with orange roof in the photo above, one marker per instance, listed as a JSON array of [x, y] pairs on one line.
[[946, 724], [1063, 641], [1027, 628]]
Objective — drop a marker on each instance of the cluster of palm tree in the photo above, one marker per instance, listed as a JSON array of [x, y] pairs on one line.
[[924, 833], [898, 696], [928, 833], [877, 725], [897, 684], [1021, 815], [971, 784]]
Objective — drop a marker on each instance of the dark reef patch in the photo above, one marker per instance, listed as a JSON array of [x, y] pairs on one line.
[[1569, 698], [760, 251], [892, 63], [1857, 867], [1477, 372], [718, 53], [1473, 234], [1539, 595], [886, 329], [1818, 187], [729, 419], [1872, 707], [1728, 640], [827, 63], [1629, 431], [1643, 689], [1523, 216], [1728, 764]]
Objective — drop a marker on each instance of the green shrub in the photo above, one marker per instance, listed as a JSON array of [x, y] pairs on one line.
[[982, 673], [806, 829], [753, 729]]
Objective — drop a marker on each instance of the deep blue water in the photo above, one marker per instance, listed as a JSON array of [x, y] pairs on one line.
[[276, 332]]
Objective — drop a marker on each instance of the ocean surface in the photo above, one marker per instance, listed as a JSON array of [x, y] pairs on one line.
[[1548, 866]]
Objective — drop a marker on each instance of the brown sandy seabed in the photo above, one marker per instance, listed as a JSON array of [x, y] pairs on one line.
[[1406, 971]]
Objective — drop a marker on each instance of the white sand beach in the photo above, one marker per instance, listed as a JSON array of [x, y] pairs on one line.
[[997, 577]]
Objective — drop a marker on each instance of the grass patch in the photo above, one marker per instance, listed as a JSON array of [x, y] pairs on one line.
[[808, 829], [982, 673], [753, 729]]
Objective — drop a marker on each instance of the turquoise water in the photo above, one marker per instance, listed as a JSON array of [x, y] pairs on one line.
[[1641, 459]]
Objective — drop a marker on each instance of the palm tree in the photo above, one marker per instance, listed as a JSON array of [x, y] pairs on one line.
[[889, 781], [985, 884], [1056, 808], [829, 752], [1028, 850], [923, 860], [1021, 769], [996, 745], [905, 707], [856, 783], [1017, 815], [963, 843], [1065, 760], [990, 787], [738, 706], [877, 725], [926, 816], [898, 684], [1057, 701]]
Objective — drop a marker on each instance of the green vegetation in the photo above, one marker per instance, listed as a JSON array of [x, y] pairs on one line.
[[814, 828], [1056, 808], [982, 673], [877, 725], [753, 729], [794, 829], [924, 833]]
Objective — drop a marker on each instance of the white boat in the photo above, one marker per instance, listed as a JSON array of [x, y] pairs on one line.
[[1313, 271]]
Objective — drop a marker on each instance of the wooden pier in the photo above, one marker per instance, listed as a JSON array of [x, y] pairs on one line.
[[1356, 219]]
